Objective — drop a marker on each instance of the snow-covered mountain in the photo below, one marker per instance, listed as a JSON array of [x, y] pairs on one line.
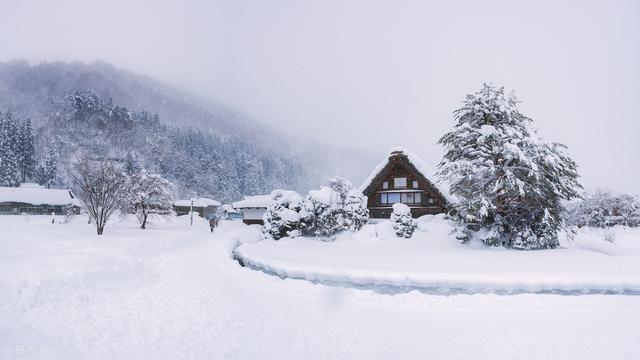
[[203, 147]]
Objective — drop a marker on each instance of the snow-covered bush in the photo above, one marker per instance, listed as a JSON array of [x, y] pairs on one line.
[[324, 212], [604, 209], [355, 211], [341, 186], [507, 180], [403, 223], [610, 236], [69, 213], [283, 217]]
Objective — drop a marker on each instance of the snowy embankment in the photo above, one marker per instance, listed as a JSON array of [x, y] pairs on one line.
[[174, 292], [433, 262]]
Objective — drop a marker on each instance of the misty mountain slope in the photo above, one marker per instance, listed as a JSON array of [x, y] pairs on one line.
[[30, 91], [204, 148]]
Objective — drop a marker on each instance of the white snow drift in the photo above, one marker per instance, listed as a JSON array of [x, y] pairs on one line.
[[433, 261], [174, 292]]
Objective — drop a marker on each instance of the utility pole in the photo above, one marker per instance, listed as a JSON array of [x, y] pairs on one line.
[[191, 211]]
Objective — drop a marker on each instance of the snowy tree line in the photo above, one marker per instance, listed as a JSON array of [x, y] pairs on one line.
[[603, 209], [196, 161], [231, 146], [335, 207], [18, 160]]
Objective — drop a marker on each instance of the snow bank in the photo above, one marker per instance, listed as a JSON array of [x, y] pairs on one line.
[[433, 261], [185, 298]]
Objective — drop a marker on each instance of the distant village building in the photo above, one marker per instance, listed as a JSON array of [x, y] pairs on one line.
[[402, 177], [205, 207], [34, 199], [252, 208], [228, 211]]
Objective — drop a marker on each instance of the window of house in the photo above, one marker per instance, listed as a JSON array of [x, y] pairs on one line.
[[400, 182], [389, 198], [406, 198], [417, 198], [414, 184], [385, 185], [430, 201]]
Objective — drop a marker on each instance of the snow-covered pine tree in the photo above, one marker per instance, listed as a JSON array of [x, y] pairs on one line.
[[323, 211], [50, 169], [25, 150], [283, 218], [149, 194], [507, 179], [132, 164], [352, 204], [355, 211], [402, 221], [9, 161]]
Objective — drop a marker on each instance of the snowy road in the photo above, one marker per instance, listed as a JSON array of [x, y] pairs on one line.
[[175, 294]]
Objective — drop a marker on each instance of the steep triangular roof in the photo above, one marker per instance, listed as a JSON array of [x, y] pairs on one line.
[[418, 166]]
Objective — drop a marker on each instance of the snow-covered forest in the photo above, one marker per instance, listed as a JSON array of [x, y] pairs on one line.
[[100, 111]]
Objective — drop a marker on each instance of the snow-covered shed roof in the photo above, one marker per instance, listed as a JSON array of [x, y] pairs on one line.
[[228, 208], [254, 201], [37, 196], [197, 202], [427, 171]]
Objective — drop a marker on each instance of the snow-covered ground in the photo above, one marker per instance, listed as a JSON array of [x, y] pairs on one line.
[[433, 261], [173, 292]]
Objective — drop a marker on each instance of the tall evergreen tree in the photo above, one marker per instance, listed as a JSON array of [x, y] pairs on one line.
[[25, 150], [507, 179], [9, 161], [50, 172]]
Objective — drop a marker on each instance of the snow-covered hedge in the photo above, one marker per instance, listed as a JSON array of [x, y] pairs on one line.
[[323, 212], [282, 218]]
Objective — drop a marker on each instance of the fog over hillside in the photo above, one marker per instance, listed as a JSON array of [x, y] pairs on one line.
[[371, 74], [204, 147]]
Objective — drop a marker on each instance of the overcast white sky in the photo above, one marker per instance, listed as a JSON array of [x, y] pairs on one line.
[[373, 74]]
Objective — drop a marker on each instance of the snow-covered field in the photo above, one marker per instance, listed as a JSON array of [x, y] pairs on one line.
[[433, 261], [174, 292]]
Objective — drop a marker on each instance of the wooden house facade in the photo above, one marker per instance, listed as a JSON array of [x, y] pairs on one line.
[[401, 178]]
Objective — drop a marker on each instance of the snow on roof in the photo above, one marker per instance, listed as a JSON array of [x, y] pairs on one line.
[[37, 196], [197, 202], [255, 201], [426, 170], [228, 208], [325, 195]]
